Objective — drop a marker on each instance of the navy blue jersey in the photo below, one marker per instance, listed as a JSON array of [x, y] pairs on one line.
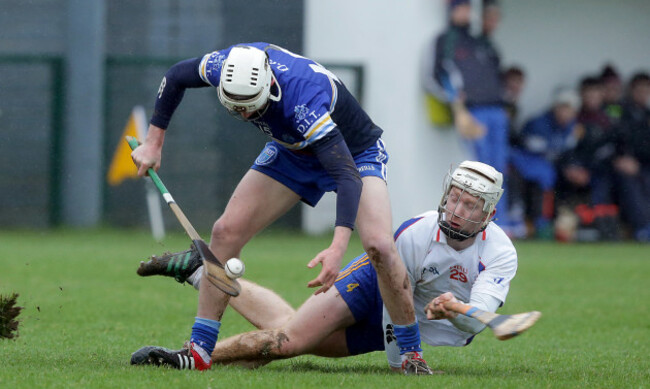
[[314, 101]]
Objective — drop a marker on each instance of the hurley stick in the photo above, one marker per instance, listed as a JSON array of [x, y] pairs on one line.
[[504, 327], [213, 268]]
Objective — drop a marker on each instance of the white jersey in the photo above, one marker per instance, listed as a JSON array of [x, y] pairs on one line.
[[484, 268]]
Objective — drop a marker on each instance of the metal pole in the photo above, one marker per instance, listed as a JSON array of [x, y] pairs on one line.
[[82, 179]]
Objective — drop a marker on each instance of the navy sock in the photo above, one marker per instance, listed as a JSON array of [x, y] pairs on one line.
[[205, 333], [408, 337]]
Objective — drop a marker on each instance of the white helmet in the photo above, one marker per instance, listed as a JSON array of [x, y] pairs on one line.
[[245, 85], [479, 180]]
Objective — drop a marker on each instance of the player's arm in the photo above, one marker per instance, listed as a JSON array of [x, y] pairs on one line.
[[488, 293], [445, 71], [333, 153], [435, 310], [429, 81], [178, 78]]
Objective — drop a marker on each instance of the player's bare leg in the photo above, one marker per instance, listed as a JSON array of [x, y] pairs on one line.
[[316, 328], [262, 307], [374, 222], [257, 202]]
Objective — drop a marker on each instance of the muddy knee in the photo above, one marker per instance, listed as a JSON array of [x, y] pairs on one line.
[[275, 344], [381, 253]]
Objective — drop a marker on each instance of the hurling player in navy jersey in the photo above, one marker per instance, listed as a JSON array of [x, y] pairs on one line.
[[321, 140]]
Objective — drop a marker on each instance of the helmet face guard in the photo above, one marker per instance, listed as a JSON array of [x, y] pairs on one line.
[[470, 195], [461, 217], [245, 84]]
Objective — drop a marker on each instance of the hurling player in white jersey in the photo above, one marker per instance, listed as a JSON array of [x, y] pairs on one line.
[[457, 254], [453, 254]]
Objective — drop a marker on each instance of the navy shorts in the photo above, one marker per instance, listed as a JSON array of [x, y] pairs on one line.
[[357, 284], [302, 172]]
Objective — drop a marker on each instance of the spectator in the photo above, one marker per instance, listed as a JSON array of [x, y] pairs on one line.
[[514, 79], [632, 163], [585, 169], [467, 69], [587, 174], [491, 18], [613, 92], [543, 140]]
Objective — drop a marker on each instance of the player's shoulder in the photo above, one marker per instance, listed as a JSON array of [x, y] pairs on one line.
[[496, 242], [495, 234], [423, 222]]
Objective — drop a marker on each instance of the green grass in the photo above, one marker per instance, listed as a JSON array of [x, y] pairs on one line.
[[86, 310]]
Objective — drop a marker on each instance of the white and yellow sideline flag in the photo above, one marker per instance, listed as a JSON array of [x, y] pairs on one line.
[[122, 167]]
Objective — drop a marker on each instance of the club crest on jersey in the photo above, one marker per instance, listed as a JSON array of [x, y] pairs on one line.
[[267, 156], [214, 63], [300, 112], [458, 273]]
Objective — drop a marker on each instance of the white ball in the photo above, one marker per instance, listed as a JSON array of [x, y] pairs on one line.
[[234, 268]]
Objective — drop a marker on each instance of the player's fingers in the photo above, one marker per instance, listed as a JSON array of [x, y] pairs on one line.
[[324, 289], [328, 278], [315, 282], [325, 279], [443, 310], [315, 262], [432, 314], [142, 170]]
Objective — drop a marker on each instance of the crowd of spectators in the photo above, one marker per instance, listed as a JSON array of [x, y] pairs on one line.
[[579, 170]]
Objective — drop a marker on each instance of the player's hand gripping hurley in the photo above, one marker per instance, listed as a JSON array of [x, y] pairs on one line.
[[213, 269], [504, 327]]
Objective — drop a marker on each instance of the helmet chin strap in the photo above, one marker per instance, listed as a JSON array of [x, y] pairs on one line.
[[454, 234], [274, 82]]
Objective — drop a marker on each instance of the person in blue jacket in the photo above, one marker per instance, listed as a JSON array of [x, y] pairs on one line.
[[321, 140], [543, 141]]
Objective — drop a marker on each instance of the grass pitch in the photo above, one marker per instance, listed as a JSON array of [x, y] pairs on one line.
[[86, 310]]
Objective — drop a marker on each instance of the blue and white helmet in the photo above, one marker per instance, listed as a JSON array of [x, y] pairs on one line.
[[246, 78]]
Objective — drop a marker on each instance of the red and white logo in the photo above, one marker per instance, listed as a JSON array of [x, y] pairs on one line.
[[458, 273]]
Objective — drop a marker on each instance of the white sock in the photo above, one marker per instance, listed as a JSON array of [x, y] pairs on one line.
[[195, 278], [418, 353]]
